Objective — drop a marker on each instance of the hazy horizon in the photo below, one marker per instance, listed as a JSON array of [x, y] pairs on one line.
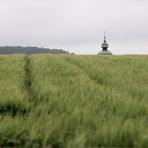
[[76, 25]]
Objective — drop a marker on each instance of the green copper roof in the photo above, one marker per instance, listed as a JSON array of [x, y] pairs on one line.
[[103, 52]]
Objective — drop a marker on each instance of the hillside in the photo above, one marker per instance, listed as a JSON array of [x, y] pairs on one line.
[[29, 50], [73, 101]]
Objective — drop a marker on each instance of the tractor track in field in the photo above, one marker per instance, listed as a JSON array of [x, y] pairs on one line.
[[28, 79], [83, 69], [98, 83]]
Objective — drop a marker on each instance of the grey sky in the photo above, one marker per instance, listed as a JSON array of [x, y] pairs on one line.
[[76, 25]]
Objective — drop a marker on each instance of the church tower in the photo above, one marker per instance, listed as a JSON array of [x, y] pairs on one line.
[[104, 47]]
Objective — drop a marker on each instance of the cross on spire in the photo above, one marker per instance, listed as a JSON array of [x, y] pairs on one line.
[[104, 35]]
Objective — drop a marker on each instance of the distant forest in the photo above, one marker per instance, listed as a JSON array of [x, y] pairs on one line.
[[29, 50]]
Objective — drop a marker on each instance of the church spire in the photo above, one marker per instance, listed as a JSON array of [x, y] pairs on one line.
[[104, 47]]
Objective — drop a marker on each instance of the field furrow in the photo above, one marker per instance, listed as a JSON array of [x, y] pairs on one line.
[[13, 97]]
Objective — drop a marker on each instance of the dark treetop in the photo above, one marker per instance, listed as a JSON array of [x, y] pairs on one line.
[[29, 50]]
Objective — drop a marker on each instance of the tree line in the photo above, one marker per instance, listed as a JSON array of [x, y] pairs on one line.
[[29, 50]]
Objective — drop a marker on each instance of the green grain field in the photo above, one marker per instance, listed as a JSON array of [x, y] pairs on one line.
[[73, 101]]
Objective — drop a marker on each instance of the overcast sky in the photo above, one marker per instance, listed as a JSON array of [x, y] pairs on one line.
[[76, 25]]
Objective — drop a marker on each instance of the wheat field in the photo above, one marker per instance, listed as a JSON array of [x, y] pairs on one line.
[[73, 101]]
